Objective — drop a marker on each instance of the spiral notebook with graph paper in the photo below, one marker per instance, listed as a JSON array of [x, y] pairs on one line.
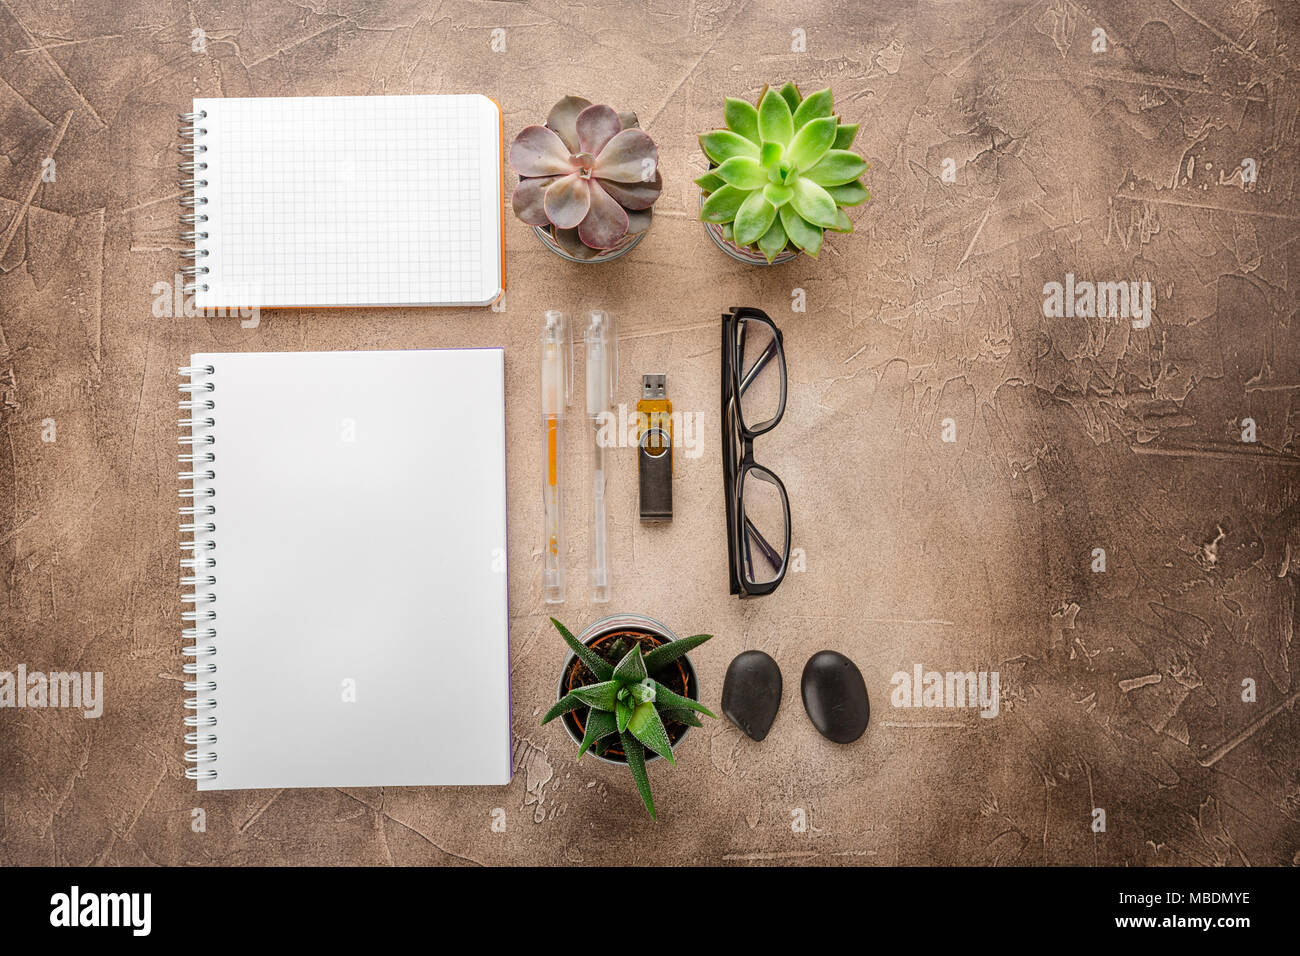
[[343, 201], [344, 582]]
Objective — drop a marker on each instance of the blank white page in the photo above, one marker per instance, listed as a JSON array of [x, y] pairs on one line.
[[360, 594], [349, 201]]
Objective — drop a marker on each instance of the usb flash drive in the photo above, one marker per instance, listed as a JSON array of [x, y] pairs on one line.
[[655, 449]]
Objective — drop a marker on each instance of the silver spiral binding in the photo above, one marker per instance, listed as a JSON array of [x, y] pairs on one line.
[[192, 183], [199, 569]]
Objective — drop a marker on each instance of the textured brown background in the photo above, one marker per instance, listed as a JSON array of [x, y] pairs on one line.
[[1120, 690]]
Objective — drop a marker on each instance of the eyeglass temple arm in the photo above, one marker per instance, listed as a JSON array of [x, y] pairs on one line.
[[768, 354], [769, 552]]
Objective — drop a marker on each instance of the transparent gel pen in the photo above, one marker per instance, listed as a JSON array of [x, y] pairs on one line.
[[602, 382], [557, 389]]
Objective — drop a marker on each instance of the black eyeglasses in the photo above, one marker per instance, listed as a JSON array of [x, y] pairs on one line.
[[753, 401]]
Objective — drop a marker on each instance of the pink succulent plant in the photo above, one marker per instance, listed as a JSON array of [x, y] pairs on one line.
[[590, 175]]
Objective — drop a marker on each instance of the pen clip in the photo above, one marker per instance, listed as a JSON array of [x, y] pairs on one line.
[[557, 349], [601, 337]]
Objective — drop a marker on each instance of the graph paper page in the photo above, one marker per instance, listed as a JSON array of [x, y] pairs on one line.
[[349, 201]]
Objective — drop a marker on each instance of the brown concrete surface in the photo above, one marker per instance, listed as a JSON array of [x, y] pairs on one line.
[[1120, 690]]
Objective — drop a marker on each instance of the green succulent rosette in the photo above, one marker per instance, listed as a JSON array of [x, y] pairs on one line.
[[781, 172]]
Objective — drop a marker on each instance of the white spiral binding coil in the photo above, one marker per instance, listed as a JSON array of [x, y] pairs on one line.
[[192, 200], [197, 521]]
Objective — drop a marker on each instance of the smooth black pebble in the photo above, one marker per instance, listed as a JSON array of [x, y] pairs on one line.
[[751, 693], [835, 696]]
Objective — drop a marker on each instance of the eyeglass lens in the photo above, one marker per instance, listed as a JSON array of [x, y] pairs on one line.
[[759, 364], [763, 519]]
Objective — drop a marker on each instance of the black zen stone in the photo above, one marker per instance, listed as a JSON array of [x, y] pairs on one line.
[[835, 696], [751, 693]]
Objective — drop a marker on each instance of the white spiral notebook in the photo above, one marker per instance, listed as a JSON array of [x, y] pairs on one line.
[[344, 537], [343, 201]]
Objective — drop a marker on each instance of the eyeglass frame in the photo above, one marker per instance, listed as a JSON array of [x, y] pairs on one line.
[[733, 387]]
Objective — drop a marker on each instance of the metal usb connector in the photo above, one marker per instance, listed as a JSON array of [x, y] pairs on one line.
[[654, 386]]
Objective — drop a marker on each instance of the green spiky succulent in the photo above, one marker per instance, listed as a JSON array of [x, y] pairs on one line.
[[781, 172], [628, 702]]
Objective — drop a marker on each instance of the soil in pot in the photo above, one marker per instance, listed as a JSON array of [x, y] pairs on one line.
[[613, 647]]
